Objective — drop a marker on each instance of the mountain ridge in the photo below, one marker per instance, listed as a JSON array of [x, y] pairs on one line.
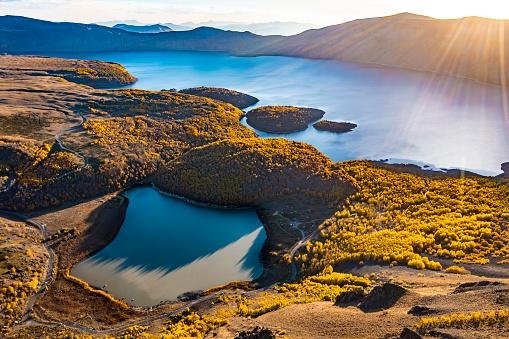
[[469, 47], [21, 34], [157, 28]]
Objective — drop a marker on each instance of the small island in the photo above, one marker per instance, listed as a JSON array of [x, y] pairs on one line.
[[235, 98], [335, 127], [282, 119]]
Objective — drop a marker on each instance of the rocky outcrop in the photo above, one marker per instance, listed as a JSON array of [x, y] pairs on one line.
[[419, 310], [350, 298], [256, 333], [382, 297], [472, 286], [409, 334]]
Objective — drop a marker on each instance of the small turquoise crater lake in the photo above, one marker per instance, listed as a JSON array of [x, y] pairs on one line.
[[167, 247]]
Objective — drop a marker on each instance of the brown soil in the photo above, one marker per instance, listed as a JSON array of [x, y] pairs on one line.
[[97, 74], [97, 222], [431, 289]]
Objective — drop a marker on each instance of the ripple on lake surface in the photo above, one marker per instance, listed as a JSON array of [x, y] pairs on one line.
[[167, 247]]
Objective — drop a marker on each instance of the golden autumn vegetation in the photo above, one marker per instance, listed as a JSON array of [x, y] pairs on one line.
[[93, 73], [68, 276], [96, 74], [251, 171], [196, 147], [22, 268], [473, 319], [326, 286], [128, 136], [405, 219], [456, 270]]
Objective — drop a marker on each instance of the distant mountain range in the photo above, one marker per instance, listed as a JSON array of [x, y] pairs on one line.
[[173, 27], [263, 28], [20, 34], [470, 47], [144, 28]]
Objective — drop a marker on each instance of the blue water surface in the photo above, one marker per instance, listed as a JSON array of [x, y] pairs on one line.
[[420, 117], [167, 247]]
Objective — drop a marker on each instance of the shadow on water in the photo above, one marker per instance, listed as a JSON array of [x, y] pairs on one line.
[[163, 232], [173, 247]]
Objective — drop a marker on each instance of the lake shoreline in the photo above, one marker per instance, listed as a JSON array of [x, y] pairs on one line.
[[112, 229], [363, 94]]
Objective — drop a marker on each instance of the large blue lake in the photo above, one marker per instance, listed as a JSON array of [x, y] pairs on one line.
[[444, 121], [167, 247]]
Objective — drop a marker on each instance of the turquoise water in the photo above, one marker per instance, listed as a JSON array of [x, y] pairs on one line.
[[167, 247], [418, 117]]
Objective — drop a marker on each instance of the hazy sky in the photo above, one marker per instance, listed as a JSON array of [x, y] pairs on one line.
[[310, 11]]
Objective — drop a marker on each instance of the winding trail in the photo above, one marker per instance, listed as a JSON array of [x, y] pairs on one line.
[[297, 246], [60, 144], [41, 226], [58, 140], [122, 328], [27, 320], [51, 260]]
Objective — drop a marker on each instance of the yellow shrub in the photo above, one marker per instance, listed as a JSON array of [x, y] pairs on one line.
[[457, 270], [466, 320]]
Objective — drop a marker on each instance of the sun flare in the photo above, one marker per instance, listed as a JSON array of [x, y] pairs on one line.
[[497, 9]]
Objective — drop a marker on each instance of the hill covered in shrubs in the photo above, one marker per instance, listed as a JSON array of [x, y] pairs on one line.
[[252, 171]]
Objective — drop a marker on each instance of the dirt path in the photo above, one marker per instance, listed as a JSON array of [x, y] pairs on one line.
[[51, 262], [73, 151]]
